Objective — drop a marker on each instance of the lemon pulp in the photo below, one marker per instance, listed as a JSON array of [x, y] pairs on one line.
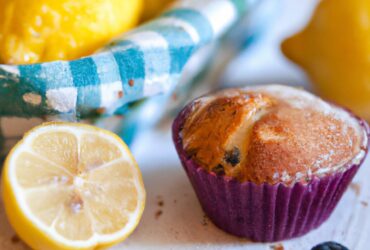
[[73, 186]]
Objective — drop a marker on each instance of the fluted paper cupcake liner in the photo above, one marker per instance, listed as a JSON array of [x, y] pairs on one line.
[[265, 212]]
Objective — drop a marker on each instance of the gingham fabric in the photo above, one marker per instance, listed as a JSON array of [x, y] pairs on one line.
[[142, 63]]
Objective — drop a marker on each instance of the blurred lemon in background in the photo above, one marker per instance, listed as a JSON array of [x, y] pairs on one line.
[[334, 50], [152, 8], [44, 30]]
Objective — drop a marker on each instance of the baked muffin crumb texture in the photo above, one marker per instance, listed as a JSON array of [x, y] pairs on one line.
[[270, 134]]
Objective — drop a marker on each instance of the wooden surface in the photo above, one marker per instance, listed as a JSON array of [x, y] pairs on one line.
[[173, 218]]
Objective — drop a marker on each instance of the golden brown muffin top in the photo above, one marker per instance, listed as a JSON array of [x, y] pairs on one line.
[[270, 134]]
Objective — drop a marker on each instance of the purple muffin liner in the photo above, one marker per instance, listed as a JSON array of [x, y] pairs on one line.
[[264, 213]]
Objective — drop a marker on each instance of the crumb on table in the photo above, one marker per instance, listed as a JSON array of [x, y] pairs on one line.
[[158, 214], [356, 188], [277, 247], [15, 239], [205, 220]]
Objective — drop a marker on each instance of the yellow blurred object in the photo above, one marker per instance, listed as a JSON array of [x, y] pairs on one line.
[[334, 50], [34, 31], [72, 186], [152, 8]]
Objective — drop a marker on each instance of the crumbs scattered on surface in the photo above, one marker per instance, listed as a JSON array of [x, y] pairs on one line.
[[364, 203], [160, 201], [356, 188], [205, 220], [158, 214], [120, 94], [15, 239], [131, 83], [277, 247]]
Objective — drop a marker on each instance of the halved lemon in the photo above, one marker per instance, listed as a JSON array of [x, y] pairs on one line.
[[72, 186]]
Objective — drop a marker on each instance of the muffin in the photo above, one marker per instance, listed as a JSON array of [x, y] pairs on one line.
[[271, 162]]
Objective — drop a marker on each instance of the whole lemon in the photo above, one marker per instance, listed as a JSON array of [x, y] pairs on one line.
[[34, 31], [154, 7], [334, 50]]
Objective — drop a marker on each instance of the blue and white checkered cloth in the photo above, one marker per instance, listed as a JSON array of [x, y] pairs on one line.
[[142, 63]]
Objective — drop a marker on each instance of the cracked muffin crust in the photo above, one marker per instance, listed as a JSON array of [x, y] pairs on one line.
[[271, 134]]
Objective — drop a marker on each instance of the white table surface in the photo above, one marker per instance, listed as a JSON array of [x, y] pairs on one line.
[[180, 223]]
